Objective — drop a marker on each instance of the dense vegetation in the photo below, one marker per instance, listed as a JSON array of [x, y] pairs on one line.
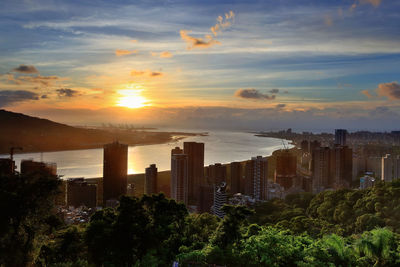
[[334, 228]]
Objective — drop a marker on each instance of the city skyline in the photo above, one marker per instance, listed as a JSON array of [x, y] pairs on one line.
[[311, 64]]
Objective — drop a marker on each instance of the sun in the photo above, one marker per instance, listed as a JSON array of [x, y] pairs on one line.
[[132, 98]]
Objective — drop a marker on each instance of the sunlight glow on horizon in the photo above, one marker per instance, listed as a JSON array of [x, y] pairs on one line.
[[131, 97]]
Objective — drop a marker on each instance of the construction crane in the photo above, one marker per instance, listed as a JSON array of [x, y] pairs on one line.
[[12, 151], [284, 145]]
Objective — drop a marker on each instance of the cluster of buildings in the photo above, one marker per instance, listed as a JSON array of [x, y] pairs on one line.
[[207, 188]]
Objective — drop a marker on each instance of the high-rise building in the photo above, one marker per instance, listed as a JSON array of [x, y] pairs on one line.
[[151, 180], [304, 146], [195, 168], [389, 168], [80, 193], [216, 174], [314, 144], [396, 167], [256, 174], [286, 168], [206, 198], [115, 171], [374, 165], [340, 137], [7, 166], [179, 176], [235, 185], [321, 169], [220, 199], [34, 167], [343, 167]]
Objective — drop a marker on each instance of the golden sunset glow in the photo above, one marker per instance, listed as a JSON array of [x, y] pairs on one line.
[[132, 98]]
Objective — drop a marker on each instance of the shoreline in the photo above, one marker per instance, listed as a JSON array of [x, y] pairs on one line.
[[173, 137]]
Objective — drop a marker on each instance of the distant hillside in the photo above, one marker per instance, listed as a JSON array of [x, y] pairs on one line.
[[35, 134]]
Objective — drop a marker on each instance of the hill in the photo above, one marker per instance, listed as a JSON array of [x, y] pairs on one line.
[[36, 134]]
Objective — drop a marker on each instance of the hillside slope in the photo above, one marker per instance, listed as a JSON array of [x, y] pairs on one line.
[[36, 134]]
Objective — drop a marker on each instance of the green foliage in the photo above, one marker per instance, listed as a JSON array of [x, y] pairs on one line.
[[26, 204]]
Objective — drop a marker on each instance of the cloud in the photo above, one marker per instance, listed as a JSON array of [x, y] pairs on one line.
[[280, 106], [375, 3], [208, 40], [274, 91], [251, 93], [148, 73], [26, 69], [223, 22], [164, 54], [122, 52], [44, 80], [367, 93], [9, 97], [193, 42], [389, 90], [67, 92]]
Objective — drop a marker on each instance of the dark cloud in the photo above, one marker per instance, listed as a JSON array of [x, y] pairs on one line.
[[279, 106], [274, 91], [26, 69], [44, 96], [9, 97], [251, 93], [148, 73], [66, 92], [389, 90]]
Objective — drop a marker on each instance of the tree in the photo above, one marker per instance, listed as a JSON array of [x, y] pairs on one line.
[[377, 246], [26, 201]]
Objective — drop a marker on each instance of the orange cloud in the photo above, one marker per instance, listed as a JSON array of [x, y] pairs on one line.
[[367, 93], [164, 54], [223, 23], [389, 90], [122, 52], [194, 42], [208, 39]]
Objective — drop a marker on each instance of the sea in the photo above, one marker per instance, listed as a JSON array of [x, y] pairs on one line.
[[220, 147]]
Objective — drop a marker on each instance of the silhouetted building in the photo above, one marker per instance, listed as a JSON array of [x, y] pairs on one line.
[[216, 174], [195, 168], [179, 176], [206, 198], [304, 146], [236, 178], [30, 167], [314, 144], [151, 180], [115, 172], [340, 137], [7, 166], [80, 193], [286, 168], [321, 168], [256, 174], [343, 167], [220, 199]]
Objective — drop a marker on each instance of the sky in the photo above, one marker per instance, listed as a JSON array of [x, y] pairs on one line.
[[256, 65]]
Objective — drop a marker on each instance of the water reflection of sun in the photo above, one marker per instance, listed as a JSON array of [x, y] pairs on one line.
[[131, 97]]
